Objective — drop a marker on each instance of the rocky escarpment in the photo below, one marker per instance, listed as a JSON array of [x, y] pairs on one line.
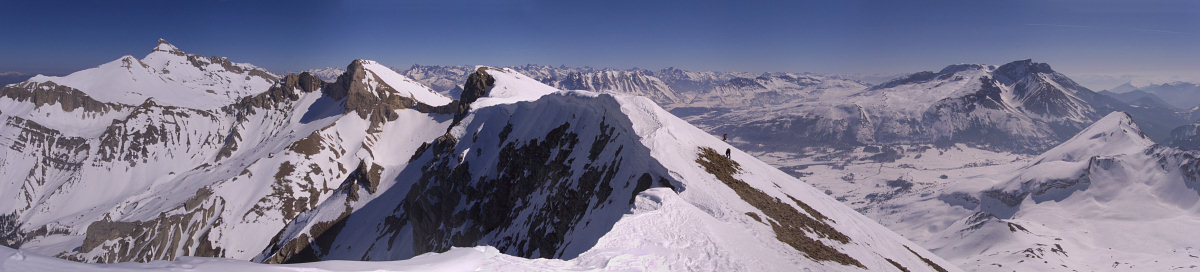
[[317, 241], [478, 84], [282, 92], [182, 231], [368, 96], [790, 225], [151, 128], [537, 177], [49, 93], [279, 97], [58, 158]]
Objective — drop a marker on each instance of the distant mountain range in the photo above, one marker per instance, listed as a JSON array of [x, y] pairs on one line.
[[1021, 106], [1181, 95]]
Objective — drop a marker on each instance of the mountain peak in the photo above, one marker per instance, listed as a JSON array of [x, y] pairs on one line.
[[1126, 87], [961, 67], [1115, 134], [164, 46], [1023, 67], [368, 70]]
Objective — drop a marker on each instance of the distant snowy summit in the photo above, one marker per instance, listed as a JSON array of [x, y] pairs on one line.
[[1022, 106], [168, 76]]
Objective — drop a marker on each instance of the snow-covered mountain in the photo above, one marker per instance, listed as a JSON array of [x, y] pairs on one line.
[[377, 166], [106, 181], [1020, 106], [168, 75], [1107, 199]]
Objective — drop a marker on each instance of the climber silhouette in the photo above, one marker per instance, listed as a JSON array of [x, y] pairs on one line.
[[727, 153]]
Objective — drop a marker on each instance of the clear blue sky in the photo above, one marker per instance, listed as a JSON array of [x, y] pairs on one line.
[[1094, 38]]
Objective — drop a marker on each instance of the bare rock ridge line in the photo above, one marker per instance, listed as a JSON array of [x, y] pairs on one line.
[[790, 225]]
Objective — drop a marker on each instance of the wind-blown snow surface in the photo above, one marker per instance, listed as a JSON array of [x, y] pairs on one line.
[[1108, 199]]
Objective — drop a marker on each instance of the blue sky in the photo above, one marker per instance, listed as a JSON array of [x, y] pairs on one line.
[[1098, 42]]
